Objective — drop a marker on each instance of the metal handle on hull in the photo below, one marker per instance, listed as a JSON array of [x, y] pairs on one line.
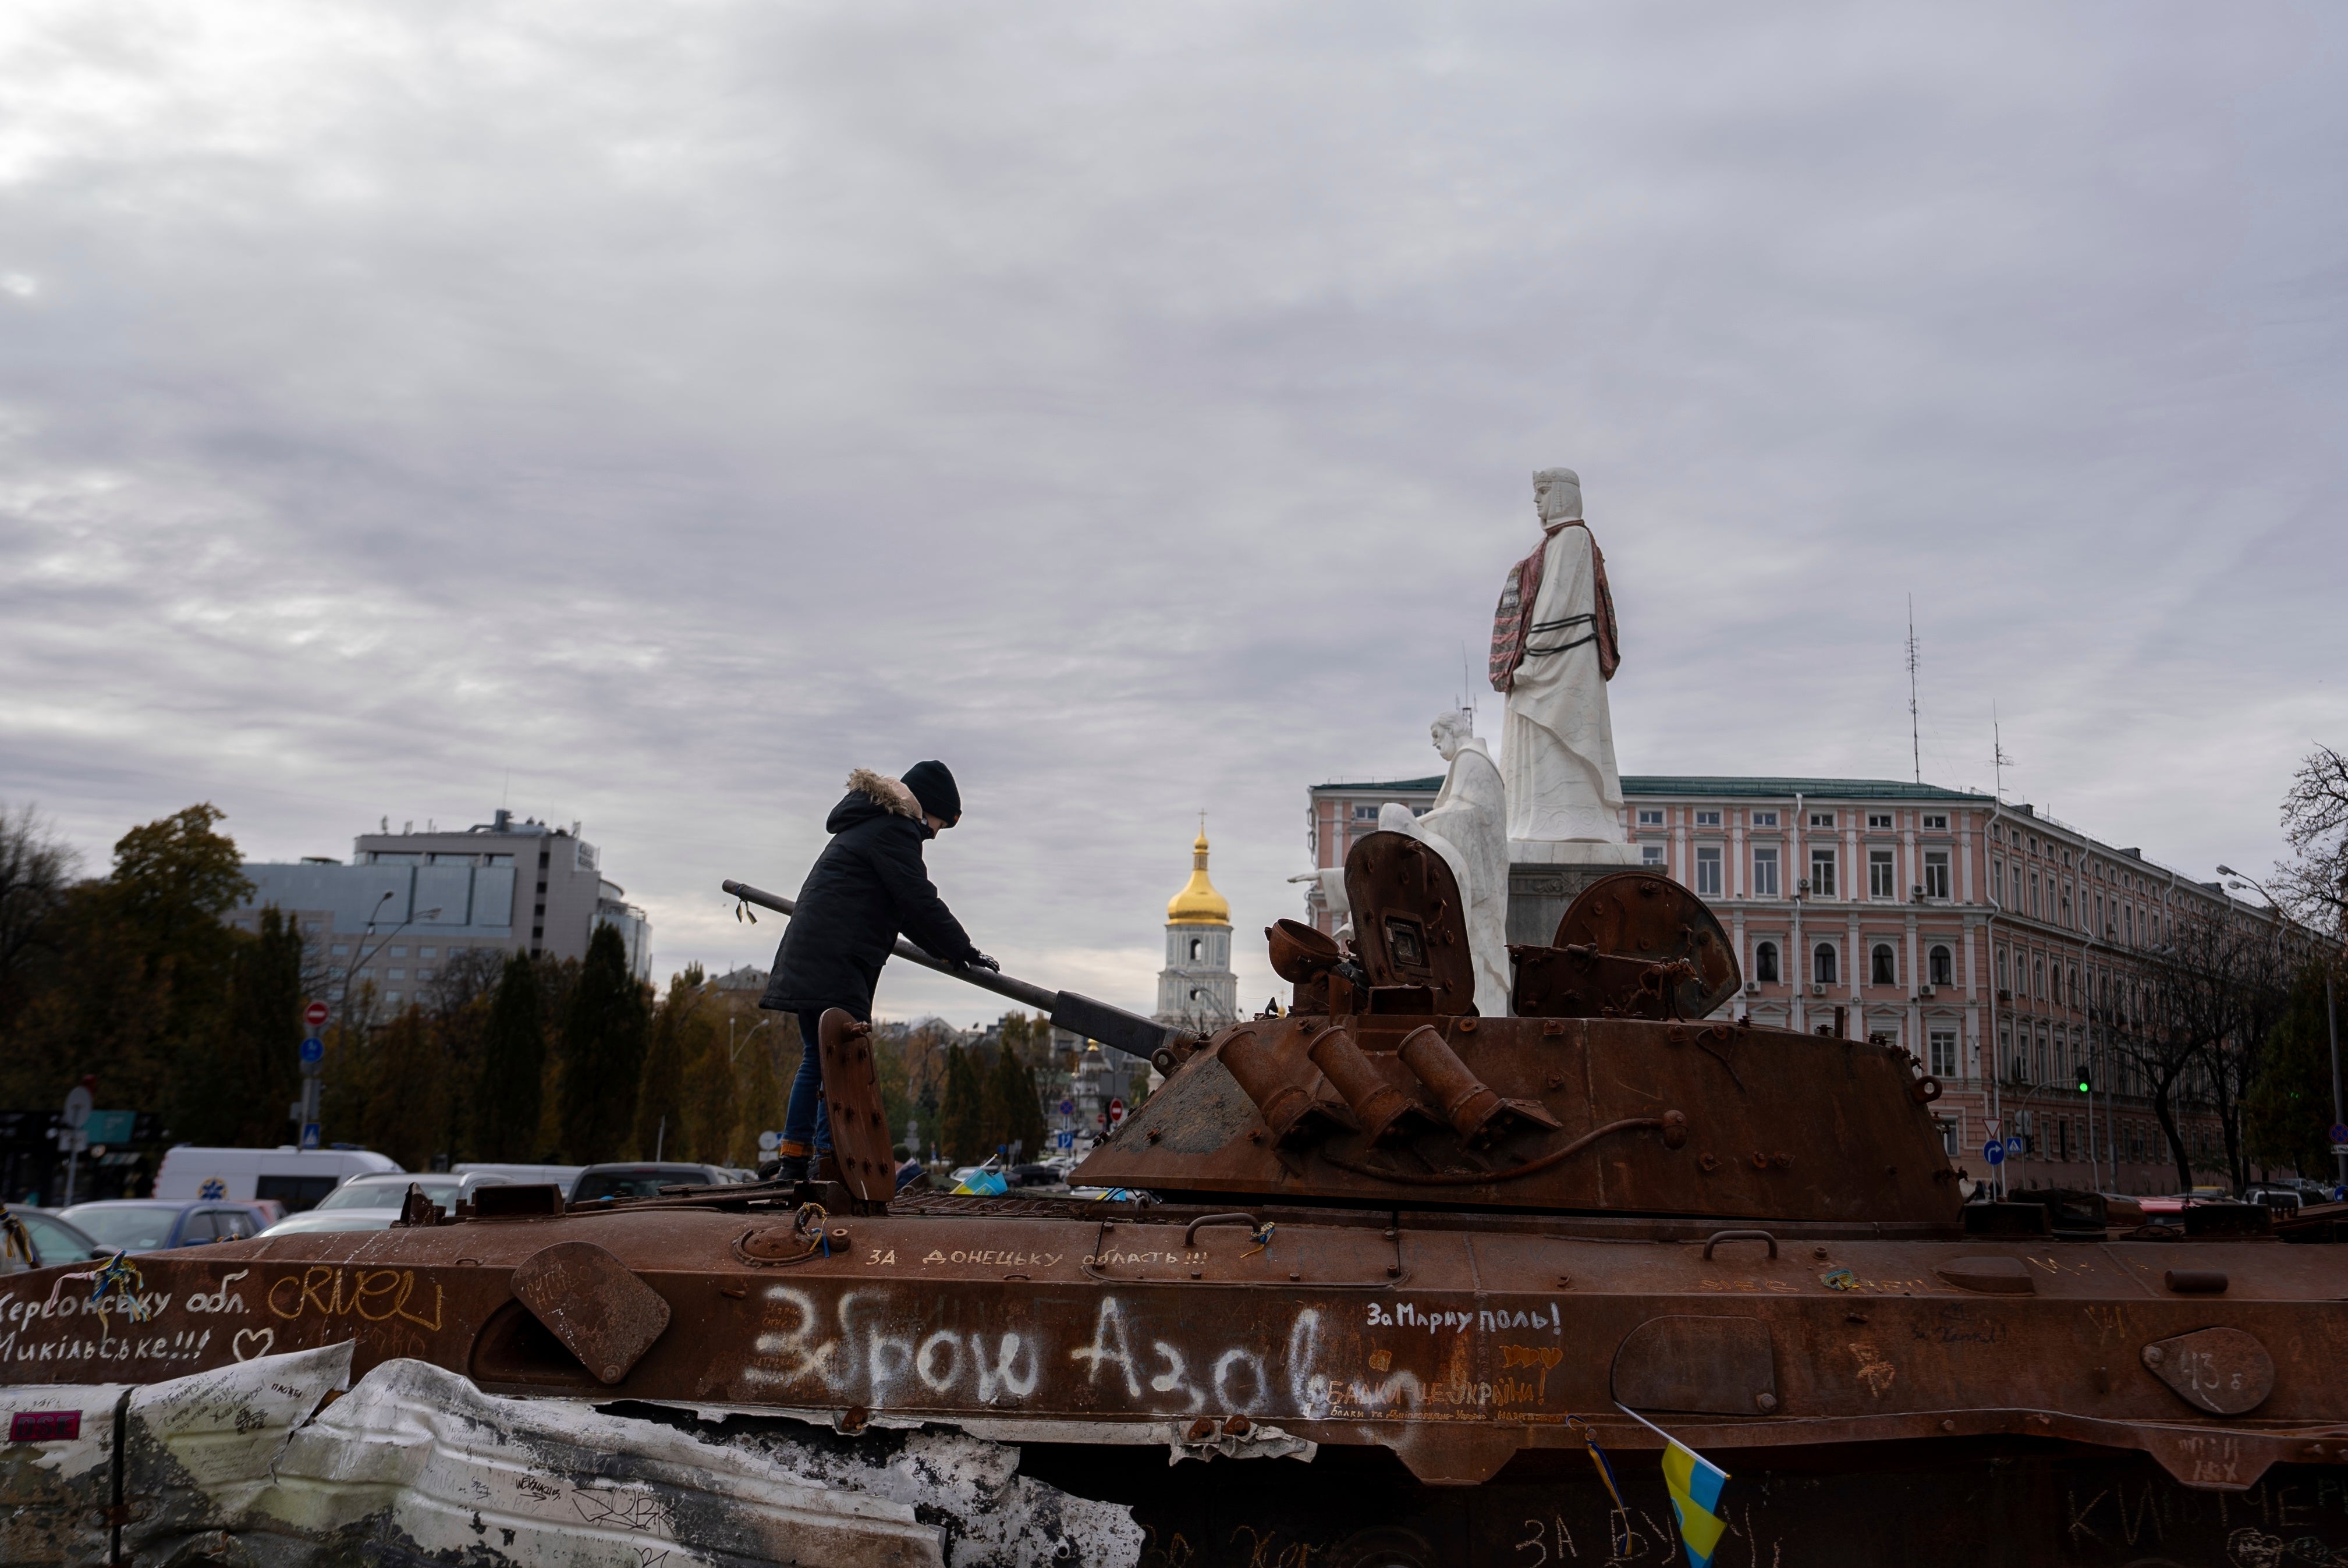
[[1720, 1236]]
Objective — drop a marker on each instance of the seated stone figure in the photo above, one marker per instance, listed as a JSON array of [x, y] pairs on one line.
[[1468, 827]]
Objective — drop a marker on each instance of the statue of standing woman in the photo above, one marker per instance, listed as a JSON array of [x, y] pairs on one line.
[[1554, 649]]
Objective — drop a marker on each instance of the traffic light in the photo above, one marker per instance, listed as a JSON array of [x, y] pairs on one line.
[[2086, 1085]]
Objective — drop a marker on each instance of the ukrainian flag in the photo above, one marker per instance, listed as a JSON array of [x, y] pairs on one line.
[[1694, 1483]]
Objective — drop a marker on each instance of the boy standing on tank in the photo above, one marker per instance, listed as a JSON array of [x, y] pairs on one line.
[[868, 885]]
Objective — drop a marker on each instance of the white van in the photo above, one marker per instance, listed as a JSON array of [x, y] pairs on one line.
[[294, 1177]]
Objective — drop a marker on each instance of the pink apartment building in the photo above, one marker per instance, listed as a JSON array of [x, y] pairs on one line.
[[1987, 940]]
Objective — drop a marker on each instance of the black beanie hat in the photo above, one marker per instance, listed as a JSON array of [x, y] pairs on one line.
[[933, 787]]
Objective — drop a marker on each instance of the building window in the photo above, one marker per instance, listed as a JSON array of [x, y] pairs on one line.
[[399, 952], [1764, 819], [2033, 895], [1822, 818], [1822, 964], [1366, 813], [2001, 971], [1650, 854], [1878, 874], [397, 974], [1707, 871], [1707, 819], [1650, 817], [1936, 873], [1943, 968], [1886, 967], [1765, 871], [1936, 822], [1941, 1062], [1822, 868], [1765, 961], [1197, 948], [424, 975], [1878, 819], [2038, 979], [342, 950]]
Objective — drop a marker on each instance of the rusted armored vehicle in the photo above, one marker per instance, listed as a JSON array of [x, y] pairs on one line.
[[1381, 1281]]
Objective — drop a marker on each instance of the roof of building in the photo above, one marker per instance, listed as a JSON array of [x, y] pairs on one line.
[[1198, 903], [1723, 784]]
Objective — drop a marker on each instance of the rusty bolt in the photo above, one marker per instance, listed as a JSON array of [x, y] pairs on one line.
[[854, 1419], [1466, 1025], [1760, 1160], [611, 1374], [1394, 1271], [1675, 1129], [1202, 1429], [1783, 1161], [1237, 1426], [1947, 1426], [1197, 1274], [1553, 1026], [2152, 1355], [1707, 1164], [1152, 1136], [1767, 1402], [1388, 1234], [737, 1291], [1819, 1254], [1553, 1081], [1256, 1136], [1295, 1276]]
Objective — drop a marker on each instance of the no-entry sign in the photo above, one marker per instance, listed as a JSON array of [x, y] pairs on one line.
[[315, 1014]]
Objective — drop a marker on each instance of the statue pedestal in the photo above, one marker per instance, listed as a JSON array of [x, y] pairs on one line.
[[1545, 876]]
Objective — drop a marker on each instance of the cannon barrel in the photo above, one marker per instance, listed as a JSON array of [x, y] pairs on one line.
[[1114, 1026]]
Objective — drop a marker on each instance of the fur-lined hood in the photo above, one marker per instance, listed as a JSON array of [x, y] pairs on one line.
[[890, 794]]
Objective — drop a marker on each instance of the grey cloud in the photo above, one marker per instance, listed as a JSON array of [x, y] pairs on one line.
[[678, 406]]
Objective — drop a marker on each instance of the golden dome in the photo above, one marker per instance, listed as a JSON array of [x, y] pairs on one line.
[[1198, 903]]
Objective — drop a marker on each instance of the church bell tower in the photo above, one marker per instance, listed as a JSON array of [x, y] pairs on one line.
[[1197, 989]]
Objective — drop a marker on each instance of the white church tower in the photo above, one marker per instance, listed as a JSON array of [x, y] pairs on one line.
[[1197, 989]]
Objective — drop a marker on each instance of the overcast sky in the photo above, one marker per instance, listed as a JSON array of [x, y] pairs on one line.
[[643, 414]]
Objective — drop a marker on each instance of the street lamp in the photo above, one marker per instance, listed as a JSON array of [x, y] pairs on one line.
[[730, 1047]]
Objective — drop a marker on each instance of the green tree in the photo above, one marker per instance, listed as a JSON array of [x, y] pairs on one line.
[[237, 1087], [512, 1068], [138, 975], [1013, 1116], [604, 1043], [962, 1113], [406, 1068], [2287, 1112], [660, 1092]]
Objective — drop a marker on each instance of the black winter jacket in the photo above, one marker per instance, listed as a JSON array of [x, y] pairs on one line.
[[867, 886]]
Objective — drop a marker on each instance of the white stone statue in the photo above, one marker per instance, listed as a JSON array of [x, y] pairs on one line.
[[1553, 650], [1468, 827]]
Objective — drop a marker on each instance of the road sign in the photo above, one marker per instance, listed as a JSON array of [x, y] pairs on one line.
[[1068, 1107], [309, 1135], [2340, 1133], [313, 1048], [315, 1014], [1066, 1138], [108, 1126], [2339, 1148], [77, 1106], [2014, 1148], [1991, 1126], [1115, 1111], [769, 1142], [1994, 1151]]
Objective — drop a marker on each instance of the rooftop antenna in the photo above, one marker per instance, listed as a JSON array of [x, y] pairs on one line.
[[1915, 741], [1999, 760]]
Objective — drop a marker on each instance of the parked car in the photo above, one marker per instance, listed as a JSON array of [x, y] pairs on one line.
[[296, 1178], [644, 1180], [373, 1202], [155, 1224], [55, 1241], [562, 1176]]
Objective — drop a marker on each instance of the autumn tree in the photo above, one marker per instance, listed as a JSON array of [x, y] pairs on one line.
[[1013, 1114], [2288, 1110], [603, 1042], [2314, 884], [36, 870], [238, 1093]]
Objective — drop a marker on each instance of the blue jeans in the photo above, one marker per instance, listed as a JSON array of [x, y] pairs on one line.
[[807, 1120]]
